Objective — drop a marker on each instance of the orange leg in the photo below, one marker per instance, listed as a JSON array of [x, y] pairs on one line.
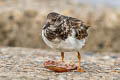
[[79, 58], [62, 55]]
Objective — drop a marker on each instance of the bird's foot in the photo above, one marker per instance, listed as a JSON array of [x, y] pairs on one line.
[[80, 70]]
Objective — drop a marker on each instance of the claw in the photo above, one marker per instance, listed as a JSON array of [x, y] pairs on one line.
[[80, 70]]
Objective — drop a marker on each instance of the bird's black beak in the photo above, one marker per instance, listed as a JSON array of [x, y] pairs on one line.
[[46, 25], [86, 27]]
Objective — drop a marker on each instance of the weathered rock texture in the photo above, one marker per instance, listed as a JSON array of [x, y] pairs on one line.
[[21, 22], [27, 64]]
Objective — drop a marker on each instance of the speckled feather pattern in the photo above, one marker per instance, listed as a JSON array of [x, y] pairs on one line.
[[60, 29]]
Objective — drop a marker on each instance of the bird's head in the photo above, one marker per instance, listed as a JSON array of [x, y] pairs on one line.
[[52, 17]]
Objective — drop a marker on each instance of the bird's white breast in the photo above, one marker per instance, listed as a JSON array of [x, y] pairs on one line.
[[69, 44]]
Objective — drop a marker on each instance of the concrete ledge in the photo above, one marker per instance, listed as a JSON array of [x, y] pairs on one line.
[[27, 64]]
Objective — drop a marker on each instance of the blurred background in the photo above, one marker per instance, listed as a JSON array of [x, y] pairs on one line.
[[21, 22]]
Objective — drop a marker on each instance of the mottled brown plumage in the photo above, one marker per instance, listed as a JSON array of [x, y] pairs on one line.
[[60, 26]]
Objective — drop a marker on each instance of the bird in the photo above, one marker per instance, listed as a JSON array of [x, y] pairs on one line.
[[65, 34]]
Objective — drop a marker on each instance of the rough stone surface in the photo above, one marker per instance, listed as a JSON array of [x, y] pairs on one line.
[[27, 64]]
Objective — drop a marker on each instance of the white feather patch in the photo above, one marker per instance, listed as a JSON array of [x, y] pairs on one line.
[[69, 44]]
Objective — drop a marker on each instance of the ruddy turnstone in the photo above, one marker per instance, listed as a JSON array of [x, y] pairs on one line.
[[64, 34]]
